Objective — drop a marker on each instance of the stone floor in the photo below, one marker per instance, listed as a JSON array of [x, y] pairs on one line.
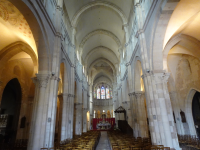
[[103, 142]]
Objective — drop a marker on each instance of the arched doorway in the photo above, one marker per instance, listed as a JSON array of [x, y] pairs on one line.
[[196, 112], [10, 109]]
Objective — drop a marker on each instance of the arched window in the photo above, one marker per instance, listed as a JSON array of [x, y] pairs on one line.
[[107, 93], [103, 94], [98, 93]]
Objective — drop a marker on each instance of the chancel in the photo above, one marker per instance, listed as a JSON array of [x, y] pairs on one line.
[[99, 74]]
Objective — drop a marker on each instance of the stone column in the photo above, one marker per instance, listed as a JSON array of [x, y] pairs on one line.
[[85, 119], [72, 97], [70, 116], [141, 114], [52, 95], [115, 106], [78, 119], [133, 104], [37, 134], [161, 124], [84, 113], [60, 97], [131, 109], [64, 116], [90, 110], [79, 109]]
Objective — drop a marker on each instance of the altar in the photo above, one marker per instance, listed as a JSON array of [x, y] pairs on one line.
[[103, 123]]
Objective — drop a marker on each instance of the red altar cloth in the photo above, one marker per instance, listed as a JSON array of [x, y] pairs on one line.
[[96, 121]]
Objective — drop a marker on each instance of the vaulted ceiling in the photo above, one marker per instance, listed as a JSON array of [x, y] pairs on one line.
[[99, 35]]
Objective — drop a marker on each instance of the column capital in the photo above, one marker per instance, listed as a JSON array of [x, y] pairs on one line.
[[68, 95], [138, 94], [161, 77], [125, 102], [148, 73], [71, 95], [55, 78], [76, 104], [60, 95], [131, 94], [125, 27], [42, 79], [127, 64]]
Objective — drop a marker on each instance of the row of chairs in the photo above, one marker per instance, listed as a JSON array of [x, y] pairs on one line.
[[189, 141], [120, 141], [87, 141], [20, 144]]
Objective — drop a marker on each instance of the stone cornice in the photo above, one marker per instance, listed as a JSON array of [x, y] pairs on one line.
[[147, 18], [131, 35], [119, 87], [48, 19], [131, 12], [66, 56], [66, 35], [125, 74], [84, 89], [77, 77], [133, 55]]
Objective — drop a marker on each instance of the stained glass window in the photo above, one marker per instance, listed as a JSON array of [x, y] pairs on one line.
[[110, 93], [103, 92], [107, 93], [98, 93]]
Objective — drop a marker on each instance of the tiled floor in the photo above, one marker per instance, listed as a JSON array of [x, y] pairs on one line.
[[103, 142]]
